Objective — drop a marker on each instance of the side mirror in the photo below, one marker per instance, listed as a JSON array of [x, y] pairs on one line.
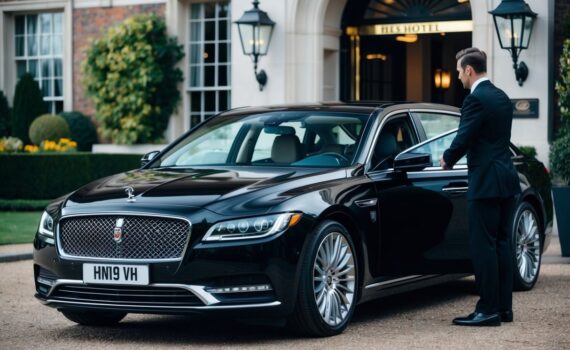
[[412, 161], [148, 157]]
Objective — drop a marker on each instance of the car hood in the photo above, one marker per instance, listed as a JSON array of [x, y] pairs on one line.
[[193, 187]]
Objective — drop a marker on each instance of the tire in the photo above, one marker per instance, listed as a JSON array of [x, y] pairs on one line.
[[94, 318], [328, 287], [527, 238]]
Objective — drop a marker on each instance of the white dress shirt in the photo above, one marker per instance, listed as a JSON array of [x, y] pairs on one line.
[[476, 83]]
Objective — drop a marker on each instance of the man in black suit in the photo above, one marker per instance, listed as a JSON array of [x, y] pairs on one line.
[[484, 134]]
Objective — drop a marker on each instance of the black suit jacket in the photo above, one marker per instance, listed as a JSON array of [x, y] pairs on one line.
[[484, 134]]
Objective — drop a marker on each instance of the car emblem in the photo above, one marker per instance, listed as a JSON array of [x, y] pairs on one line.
[[131, 193], [118, 232]]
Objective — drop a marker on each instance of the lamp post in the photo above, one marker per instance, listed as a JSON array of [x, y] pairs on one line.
[[255, 30], [513, 22]]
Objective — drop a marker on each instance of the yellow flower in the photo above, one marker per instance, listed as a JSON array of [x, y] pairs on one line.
[[31, 149]]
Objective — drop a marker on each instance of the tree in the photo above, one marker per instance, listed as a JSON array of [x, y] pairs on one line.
[[28, 104], [5, 116]]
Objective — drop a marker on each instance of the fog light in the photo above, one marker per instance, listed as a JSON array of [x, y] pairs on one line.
[[240, 289], [45, 281]]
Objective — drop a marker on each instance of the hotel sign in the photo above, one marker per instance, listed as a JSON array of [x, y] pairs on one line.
[[412, 28]]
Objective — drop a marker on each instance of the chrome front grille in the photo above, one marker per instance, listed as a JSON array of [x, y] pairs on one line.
[[141, 237]]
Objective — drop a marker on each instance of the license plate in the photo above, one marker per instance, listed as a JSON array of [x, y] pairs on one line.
[[115, 274]]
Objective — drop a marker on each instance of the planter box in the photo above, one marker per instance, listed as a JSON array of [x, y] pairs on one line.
[[126, 149], [561, 197]]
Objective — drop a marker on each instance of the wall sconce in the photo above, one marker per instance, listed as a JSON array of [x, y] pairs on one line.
[[408, 38], [513, 23], [442, 79], [255, 30]]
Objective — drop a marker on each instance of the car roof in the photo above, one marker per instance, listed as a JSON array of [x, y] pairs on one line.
[[361, 107]]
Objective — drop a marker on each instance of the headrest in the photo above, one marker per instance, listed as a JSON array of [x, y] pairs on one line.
[[386, 145], [286, 149]]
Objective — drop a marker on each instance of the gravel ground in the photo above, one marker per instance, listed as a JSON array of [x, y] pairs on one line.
[[415, 320]]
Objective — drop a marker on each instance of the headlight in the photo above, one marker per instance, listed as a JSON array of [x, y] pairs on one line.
[[249, 228], [46, 226]]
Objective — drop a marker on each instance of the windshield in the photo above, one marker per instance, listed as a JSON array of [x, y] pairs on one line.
[[296, 139]]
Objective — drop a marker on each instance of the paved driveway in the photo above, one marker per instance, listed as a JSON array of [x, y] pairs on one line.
[[416, 320]]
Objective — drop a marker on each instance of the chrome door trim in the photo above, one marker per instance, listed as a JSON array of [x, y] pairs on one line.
[[396, 280]]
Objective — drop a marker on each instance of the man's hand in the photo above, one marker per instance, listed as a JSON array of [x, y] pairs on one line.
[[443, 164]]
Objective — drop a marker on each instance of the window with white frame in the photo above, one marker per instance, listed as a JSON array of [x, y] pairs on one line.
[[39, 51], [209, 48]]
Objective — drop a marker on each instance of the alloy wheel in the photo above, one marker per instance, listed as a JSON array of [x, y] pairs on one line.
[[334, 278], [528, 246]]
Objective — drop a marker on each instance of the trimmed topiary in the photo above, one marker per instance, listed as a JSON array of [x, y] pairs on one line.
[[132, 77], [28, 105], [5, 116], [49, 127], [82, 130], [560, 159]]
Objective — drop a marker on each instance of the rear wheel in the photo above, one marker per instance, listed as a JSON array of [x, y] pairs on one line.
[[527, 242], [94, 318], [329, 281]]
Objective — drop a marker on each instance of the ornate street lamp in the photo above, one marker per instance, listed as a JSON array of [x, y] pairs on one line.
[[255, 30], [513, 22]]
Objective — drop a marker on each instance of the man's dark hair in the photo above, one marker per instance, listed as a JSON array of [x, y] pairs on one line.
[[473, 57]]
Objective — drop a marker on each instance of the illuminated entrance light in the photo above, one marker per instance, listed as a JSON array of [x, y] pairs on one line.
[[376, 56], [408, 38], [442, 79]]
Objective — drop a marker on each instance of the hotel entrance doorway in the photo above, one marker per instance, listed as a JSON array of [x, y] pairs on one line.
[[404, 51]]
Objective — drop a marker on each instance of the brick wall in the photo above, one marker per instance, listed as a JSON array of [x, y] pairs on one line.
[[89, 23]]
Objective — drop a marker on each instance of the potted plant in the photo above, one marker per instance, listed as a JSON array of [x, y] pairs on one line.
[[560, 154]]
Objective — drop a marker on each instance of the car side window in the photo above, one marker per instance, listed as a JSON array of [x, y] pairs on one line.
[[436, 147], [396, 136], [435, 124]]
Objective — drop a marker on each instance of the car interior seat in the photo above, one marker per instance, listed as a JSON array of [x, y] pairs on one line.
[[286, 149]]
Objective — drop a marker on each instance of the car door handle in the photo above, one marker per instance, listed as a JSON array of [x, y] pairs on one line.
[[455, 187]]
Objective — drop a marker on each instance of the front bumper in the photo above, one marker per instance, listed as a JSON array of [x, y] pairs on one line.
[[204, 281]]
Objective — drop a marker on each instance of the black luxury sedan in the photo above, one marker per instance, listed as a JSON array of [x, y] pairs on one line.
[[293, 212]]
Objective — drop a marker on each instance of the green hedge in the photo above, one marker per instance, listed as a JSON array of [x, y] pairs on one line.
[[46, 176], [23, 204]]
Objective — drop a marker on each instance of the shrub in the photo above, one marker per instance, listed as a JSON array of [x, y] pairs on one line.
[[560, 159], [48, 127], [5, 116], [560, 148], [28, 104], [528, 151], [82, 130], [130, 74], [50, 175]]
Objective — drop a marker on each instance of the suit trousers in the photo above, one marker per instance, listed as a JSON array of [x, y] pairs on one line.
[[490, 240]]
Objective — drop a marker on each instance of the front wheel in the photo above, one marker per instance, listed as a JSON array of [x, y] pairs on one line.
[[328, 282], [94, 318], [527, 246]]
